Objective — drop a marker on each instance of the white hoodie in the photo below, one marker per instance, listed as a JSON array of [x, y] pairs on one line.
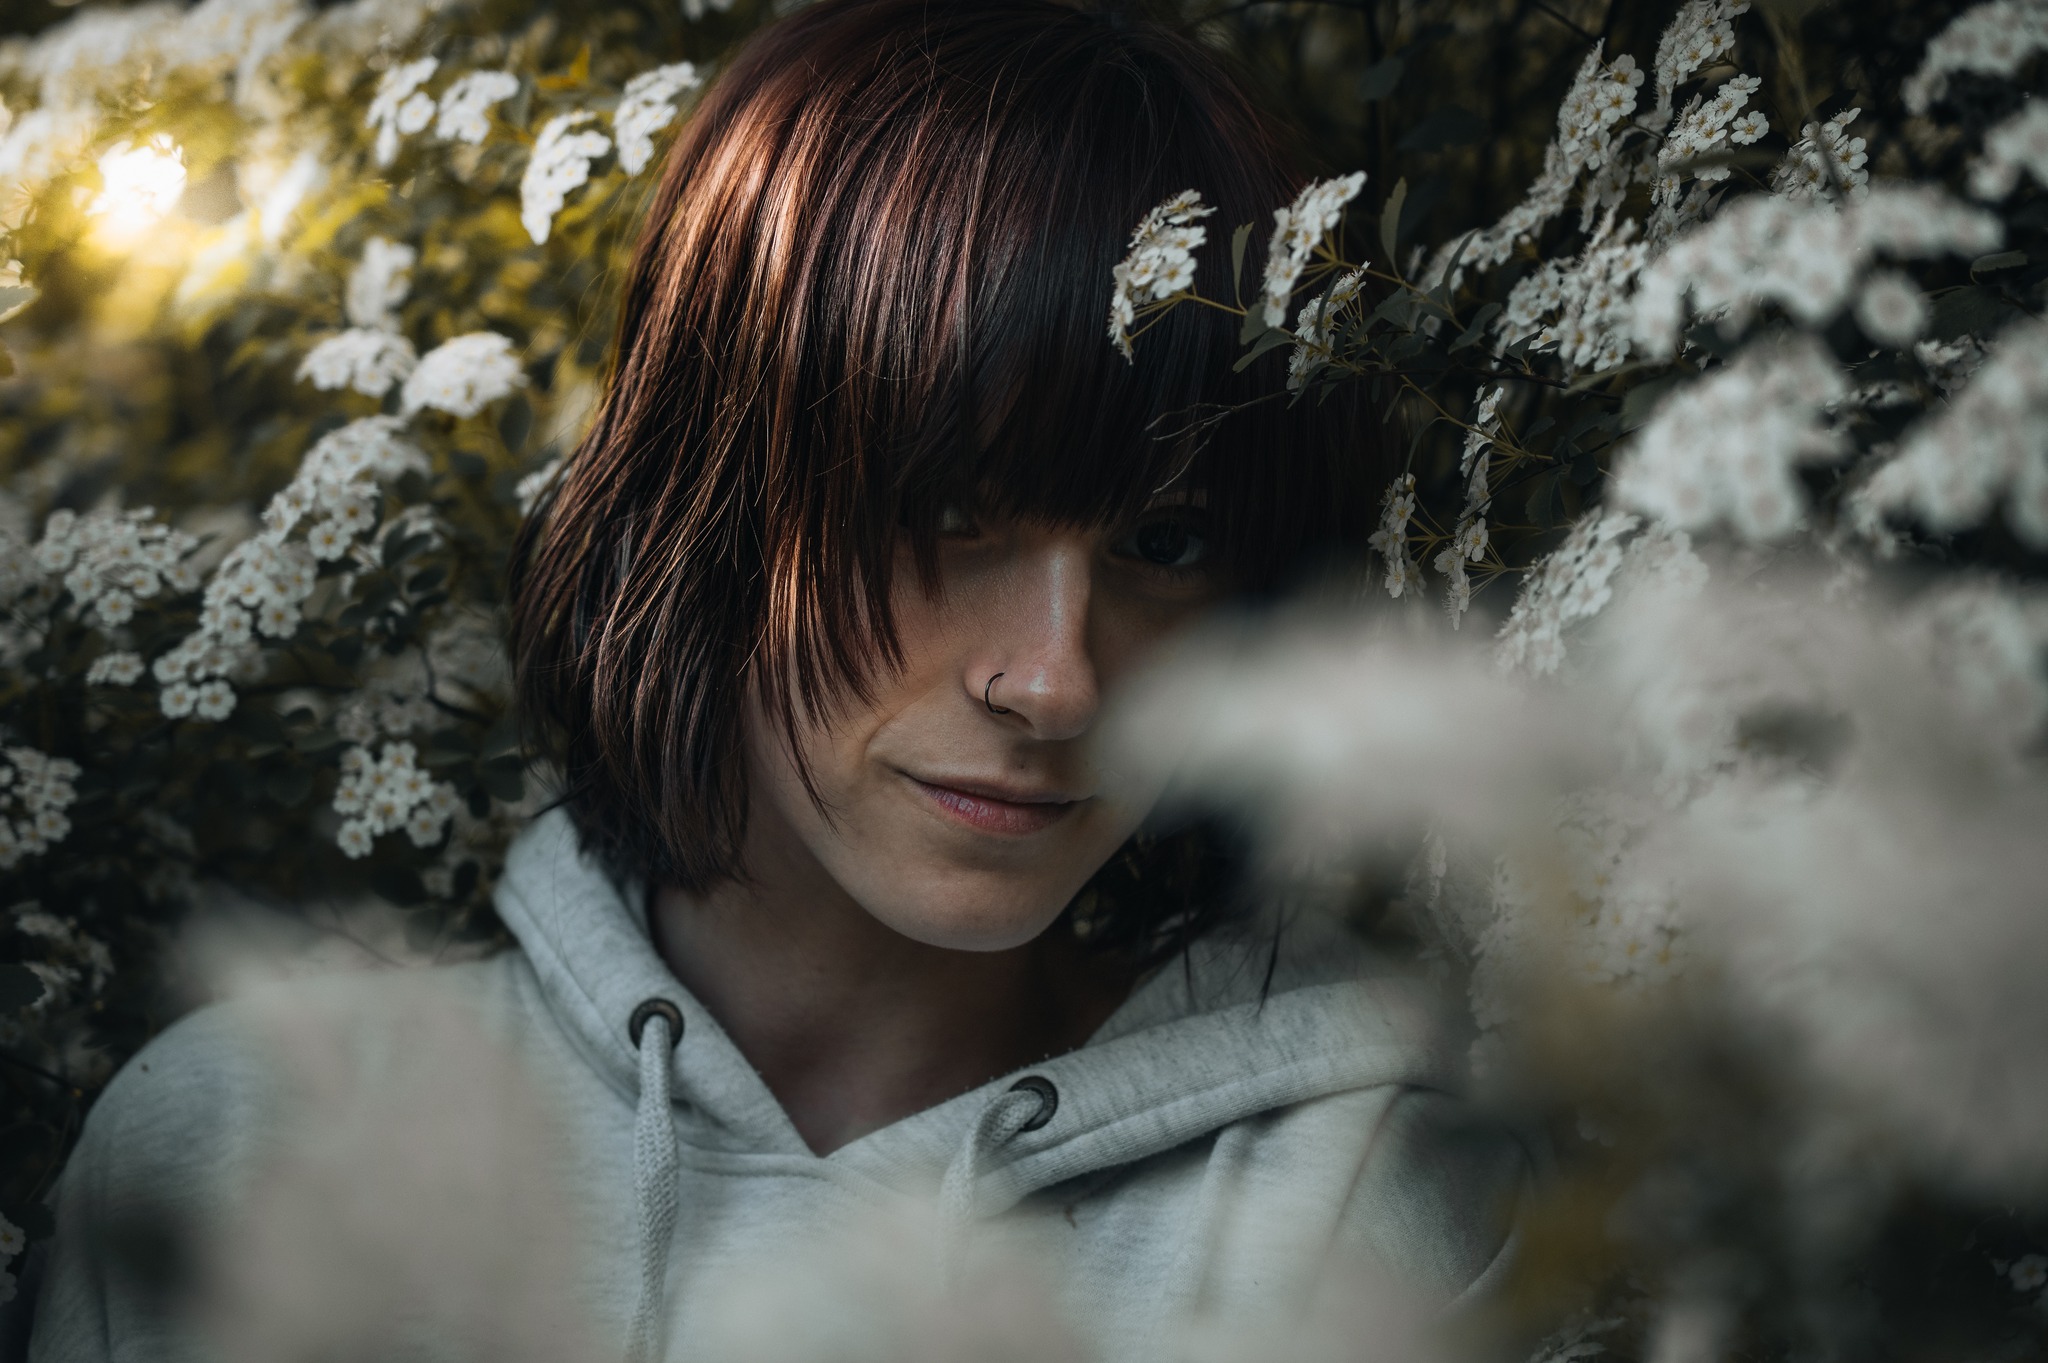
[[1240, 1124]]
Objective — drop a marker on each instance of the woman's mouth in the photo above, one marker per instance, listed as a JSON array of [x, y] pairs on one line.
[[993, 809]]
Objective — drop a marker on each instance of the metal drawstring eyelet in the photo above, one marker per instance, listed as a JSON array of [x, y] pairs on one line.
[[656, 1007], [1048, 1100]]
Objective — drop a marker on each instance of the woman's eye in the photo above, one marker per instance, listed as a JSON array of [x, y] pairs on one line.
[[954, 520], [1169, 542]]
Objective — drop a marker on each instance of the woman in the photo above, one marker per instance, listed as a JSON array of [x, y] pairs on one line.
[[838, 912]]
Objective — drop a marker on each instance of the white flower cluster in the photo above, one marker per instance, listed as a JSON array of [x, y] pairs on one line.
[[1702, 33], [370, 356], [467, 103], [1992, 40], [112, 562], [1991, 439], [1576, 580], [116, 668], [1581, 308], [463, 375], [35, 790], [400, 108], [530, 489], [1468, 545], [560, 162], [1297, 230], [1726, 447], [263, 583], [1826, 162], [1391, 539], [2018, 144], [388, 792], [1316, 324], [1806, 256], [1706, 129], [645, 107], [1160, 263]]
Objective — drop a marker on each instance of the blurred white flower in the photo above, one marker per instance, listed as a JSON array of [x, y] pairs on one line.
[[387, 793], [1160, 263], [1806, 256], [2028, 1272], [35, 790], [1297, 230], [1992, 39], [12, 1241], [466, 104], [117, 668], [645, 107], [2018, 144], [1726, 448], [535, 485], [379, 283], [1397, 508], [369, 361], [400, 107], [1991, 440], [560, 161], [1891, 310], [464, 375]]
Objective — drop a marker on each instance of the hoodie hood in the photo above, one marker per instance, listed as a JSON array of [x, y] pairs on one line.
[[1233, 1029]]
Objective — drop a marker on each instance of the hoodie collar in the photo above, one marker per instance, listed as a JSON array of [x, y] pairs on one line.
[[1233, 1029]]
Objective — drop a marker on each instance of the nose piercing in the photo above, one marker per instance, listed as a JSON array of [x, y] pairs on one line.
[[993, 708]]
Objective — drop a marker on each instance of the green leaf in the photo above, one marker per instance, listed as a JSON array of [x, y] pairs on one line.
[[1390, 222], [2004, 260], [1964, 311], [515, 422], [1238, 241], [1472, 333], [1271, 337], [1378, 80]]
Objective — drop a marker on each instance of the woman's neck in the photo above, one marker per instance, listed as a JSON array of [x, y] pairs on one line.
[[851, 1024]]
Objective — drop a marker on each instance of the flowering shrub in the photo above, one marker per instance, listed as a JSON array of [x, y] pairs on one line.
[[1697, 357]]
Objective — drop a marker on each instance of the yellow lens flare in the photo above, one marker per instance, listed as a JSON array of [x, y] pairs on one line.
[[138, 186]]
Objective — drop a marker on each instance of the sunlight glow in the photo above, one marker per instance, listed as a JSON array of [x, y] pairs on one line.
[[140, 185]]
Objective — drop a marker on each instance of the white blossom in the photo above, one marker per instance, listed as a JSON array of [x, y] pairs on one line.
[[467, 103], [694, 10], [367, 360], [1397, 508], [1726, 448], [1297, 230], [560, 162], [1581, 308], [1707, 128], [1994, 39], [379, 283], [400, 107], [2018, 144], [1804, 255], [464, 375], [35, 790], [1991, 440], [1467, 545], [645, 107], [1826, 162], [387, 793], [118, 668], [1314, 327], [111, 561], [1700, 34], [1575, 581], [1160, 263]]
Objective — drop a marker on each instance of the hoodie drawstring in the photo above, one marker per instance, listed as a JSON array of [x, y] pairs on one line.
[[1025, 1106], [656, 1028]]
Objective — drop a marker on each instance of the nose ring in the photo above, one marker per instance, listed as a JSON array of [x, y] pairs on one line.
[[993, 708]]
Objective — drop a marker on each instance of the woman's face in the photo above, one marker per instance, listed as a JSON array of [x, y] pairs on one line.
[[966, 826]]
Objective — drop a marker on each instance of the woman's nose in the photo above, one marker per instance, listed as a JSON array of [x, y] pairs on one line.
[[1035, 663]]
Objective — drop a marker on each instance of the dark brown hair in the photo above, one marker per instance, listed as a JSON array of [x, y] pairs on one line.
[[875, 278]]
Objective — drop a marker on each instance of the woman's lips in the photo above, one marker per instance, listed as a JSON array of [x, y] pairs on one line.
[[991, 814]]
